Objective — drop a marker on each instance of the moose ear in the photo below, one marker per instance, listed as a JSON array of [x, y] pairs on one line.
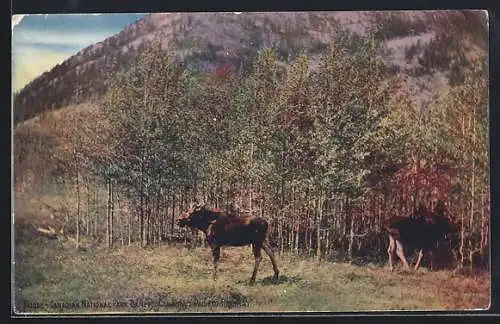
[[201, 206]]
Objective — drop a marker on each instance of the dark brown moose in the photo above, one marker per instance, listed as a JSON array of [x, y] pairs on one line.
[[422, 231], [224, 229]]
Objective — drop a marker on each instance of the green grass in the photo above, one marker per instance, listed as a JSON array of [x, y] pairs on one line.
[[50, 273], [52, 276]]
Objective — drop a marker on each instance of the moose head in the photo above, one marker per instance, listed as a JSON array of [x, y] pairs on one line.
[[194, 217]]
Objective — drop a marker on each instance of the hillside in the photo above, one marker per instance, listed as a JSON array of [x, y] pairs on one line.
[[429, 49], [349, 120]]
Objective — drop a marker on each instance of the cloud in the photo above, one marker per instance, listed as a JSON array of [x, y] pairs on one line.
[[59, 37], [16, 19]]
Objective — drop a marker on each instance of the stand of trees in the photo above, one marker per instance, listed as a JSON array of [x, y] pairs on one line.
[[325, 155]]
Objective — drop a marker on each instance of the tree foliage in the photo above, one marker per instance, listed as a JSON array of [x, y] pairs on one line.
[[324, 154]]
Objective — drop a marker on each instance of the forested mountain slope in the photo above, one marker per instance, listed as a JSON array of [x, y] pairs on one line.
[[430, 48]]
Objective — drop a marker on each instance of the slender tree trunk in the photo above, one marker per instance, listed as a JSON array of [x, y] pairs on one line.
[[147, 236], [462, 218], [319, 213], [181, 209], [77, 203], [228, 196], [154, 218], [379, 216], [141, 219], [87, 222], [484, 231], [351, 231], [343, 222], [262, 198], [111, 214], [158, 229], [142, 223], [108, 210], [150, 223], [157, 220], [281, 190], [164, 215], [164, 211], [471, 225], [280, 217], [147, 226], [473, 189], [297, 235], [92, 210], [119, 215], [121, 221], [295, 224], [129, 228], [172, 222], [310, 226], [327, 243], [250, 194], [462, 240], [280, 233], [108, 216], [96, 213], [205, 192], [216, 191]]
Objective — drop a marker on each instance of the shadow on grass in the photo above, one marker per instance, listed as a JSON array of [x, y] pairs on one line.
[[280, 280], [271, 280]]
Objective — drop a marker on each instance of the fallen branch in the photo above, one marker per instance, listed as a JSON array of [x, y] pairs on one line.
[[51, 233]]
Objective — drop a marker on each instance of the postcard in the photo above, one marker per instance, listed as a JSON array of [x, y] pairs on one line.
[[250, 162]]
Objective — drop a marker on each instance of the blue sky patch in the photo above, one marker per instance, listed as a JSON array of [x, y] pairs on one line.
[[39, 42]]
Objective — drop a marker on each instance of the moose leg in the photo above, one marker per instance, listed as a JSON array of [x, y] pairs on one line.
[[210, 233], [257, 254], [400, 253], [390, 251], [270, 253], [420, 255], [194, 236], [216, 257]]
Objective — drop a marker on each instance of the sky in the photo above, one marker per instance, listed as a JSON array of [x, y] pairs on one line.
[[40, 42]]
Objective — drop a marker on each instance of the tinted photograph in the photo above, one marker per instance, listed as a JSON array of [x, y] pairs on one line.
[[250, 162]]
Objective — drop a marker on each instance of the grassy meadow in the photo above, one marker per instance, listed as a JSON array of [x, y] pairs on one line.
[[51, 276]]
